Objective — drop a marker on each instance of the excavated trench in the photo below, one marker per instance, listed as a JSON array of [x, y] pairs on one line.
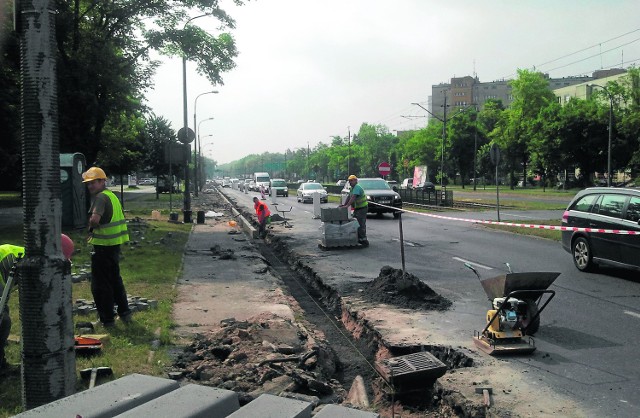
[[359, 346]]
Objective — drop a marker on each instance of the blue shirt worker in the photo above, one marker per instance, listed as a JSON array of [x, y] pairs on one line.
[[107, 232], [358, 201]]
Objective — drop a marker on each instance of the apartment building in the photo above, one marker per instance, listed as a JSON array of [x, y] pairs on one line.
[[465, 91]]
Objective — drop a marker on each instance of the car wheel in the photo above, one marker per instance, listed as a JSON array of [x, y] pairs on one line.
[[582, 257], [396, 215]]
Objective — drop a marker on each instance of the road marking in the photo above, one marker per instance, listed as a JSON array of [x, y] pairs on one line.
[[635, 314], [472, 263]]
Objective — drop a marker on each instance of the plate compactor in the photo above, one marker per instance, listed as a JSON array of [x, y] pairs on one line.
[[517, 300]]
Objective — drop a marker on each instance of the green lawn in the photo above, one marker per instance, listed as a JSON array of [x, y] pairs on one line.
[[149, 270]]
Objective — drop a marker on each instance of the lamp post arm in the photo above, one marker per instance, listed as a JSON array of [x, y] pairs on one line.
[[428, 111]]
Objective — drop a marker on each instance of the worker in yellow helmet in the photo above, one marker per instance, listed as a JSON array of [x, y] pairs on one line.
[[9, 257], [107, 232], [358, 201]]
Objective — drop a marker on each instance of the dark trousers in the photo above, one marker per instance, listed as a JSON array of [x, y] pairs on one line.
[[106, 283], [361, 216], [5, 329]]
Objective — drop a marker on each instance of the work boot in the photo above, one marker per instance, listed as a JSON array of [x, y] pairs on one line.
[[127, 317], [363, 243]]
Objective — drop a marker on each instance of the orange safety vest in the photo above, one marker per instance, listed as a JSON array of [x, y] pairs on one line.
[[262, 211]]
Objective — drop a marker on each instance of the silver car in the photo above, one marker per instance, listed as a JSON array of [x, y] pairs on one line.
[[306, 190]]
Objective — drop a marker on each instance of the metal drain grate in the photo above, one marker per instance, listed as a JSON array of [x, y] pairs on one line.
[[420, 369]]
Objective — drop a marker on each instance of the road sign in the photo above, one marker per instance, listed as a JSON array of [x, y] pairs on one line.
[[384, 168], [494, 153], [186, 137]]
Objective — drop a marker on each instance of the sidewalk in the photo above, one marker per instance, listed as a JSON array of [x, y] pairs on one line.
[[224, 276]]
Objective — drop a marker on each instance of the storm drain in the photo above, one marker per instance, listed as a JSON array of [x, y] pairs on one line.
[[417, 370]]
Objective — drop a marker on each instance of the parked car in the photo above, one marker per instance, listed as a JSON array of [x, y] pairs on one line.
[[393, 184], [146, 181], [407, 183], [279, 187], [377, 191], [341, 183], [426, 187], [226, 182], [603, 208], [163, 186], [306, 190]]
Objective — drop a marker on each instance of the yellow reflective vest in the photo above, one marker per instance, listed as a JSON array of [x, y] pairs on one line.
[[8, 254], [115, 231]]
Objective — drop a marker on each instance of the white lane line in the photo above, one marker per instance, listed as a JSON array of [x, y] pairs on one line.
[[472, 263], [518, 216], [635, 314]]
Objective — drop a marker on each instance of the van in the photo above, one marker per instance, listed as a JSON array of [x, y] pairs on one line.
[[262, 179], [279, 187], [407, 183]]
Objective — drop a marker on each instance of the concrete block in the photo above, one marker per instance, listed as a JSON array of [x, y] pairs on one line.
[[270, 406], [106, 400], [337, 411], [190, 401], [334, 214]]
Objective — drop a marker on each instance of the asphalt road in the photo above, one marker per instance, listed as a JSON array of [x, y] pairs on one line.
[[587, 343]]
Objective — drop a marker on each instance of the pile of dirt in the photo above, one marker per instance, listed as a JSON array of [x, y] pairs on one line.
[[404, 291], [264, 354]]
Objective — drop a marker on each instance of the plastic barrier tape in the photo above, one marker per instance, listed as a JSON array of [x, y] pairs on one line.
[[518, 225]]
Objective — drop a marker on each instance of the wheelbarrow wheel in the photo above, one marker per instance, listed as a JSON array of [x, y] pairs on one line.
[[532, 310]]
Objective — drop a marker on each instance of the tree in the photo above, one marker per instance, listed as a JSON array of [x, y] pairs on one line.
[[104, 65], [516, 129]]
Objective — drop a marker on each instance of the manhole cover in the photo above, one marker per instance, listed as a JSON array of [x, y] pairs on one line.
[[419, 369]]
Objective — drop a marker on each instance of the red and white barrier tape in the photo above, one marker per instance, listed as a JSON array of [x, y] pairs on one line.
[[518, 225]]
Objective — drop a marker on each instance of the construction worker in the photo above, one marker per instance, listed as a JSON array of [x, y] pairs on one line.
[[263, 214], [9, 256], [358, 201], [107, 231]]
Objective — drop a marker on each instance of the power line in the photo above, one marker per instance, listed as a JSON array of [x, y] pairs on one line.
[[593, 56]]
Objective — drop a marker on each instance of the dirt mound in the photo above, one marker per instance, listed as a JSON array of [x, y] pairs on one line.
[[404, 291], [264, 354]]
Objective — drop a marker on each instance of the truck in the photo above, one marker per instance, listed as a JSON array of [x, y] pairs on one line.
[[262, 179]]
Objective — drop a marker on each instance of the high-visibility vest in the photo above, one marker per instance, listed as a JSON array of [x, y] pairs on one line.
[[262, 211], [361, 200], [8, 254], [115, 231]]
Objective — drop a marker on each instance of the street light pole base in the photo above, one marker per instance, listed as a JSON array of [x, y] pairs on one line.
[[187, 216]]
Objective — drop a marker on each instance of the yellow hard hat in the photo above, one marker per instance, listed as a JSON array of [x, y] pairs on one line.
[[352, 177], [94, 173]]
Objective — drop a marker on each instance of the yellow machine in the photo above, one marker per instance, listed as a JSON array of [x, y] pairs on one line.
[[517, 300]]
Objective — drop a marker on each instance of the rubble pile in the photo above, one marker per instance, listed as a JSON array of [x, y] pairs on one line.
[[136, 304], [404, 291], [264, 354]]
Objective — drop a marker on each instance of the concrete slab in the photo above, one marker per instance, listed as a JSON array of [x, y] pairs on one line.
[[336, 411], [107, 400], [270, 406], [190, 401]]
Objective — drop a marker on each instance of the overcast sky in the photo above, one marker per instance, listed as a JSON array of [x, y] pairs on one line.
[[310, 69]]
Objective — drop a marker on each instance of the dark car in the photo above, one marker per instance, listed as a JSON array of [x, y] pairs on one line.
[[378, 191], [603, 208], [426, 187]]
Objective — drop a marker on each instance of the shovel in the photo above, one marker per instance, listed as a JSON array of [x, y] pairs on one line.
[[94, 373]]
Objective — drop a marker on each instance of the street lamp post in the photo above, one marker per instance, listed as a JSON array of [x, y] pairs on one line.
[[610, 130], [197, 146], [196, 154], [185, 117], [202, 171]]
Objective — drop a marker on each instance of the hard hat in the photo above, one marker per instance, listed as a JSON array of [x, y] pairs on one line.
[[94, 173], [67, 246], [352, 177]]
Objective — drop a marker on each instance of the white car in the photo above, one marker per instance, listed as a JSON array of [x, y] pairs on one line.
[[306, 190]]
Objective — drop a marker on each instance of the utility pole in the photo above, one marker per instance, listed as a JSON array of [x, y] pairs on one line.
[[349, 156]]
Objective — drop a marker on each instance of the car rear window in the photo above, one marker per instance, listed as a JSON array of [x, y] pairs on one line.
[[278, 183], [584, 203], [633, 210], [377, 184]]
